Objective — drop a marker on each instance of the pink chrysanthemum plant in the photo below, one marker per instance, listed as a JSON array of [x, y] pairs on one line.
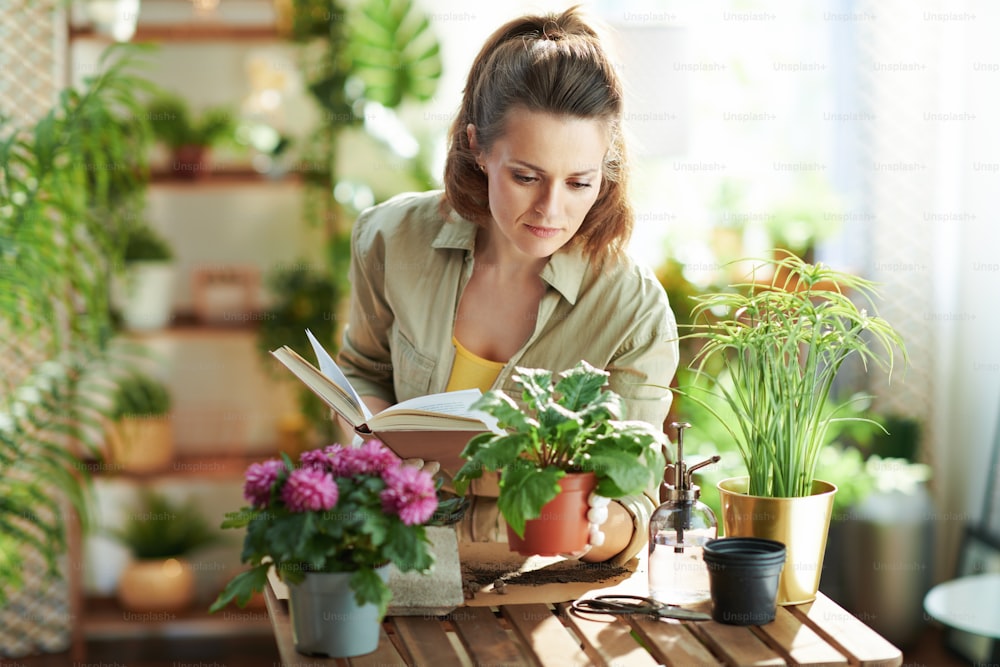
[[340, 509]]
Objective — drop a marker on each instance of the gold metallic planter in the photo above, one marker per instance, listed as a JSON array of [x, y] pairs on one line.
[[801, 524]]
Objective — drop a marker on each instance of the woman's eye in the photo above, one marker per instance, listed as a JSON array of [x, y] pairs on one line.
[[524, 178], [578, 185]]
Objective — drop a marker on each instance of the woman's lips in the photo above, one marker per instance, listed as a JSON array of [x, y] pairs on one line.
[[543, 232]]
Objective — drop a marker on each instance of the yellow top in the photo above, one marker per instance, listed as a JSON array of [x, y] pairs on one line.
[[472, 372]]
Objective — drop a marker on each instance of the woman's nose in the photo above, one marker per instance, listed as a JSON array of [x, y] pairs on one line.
[[548, 202]]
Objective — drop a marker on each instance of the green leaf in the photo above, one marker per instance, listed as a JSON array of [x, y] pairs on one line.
[[378, 526], [509, 415], [240, 518], [580, 385], [287, 536], [407, 548], [617, 472], [368, 587], [556, 422], [524, 490], [501, 450], [394, 51], [242, 587], [536, 384]]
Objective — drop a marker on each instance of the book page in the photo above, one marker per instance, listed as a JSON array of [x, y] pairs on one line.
[[450, 403], [449, 411], [330, 369], [332, 393]]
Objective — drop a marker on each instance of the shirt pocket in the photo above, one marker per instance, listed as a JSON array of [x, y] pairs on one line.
[[412, 371]]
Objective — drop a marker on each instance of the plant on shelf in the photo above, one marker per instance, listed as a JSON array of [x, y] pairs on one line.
[[140, 433], [160, 534], [359, 59], [772, 351], [145, 293], [145, 244], [186, 134], [572, 429], [342, 514], [303, 296]]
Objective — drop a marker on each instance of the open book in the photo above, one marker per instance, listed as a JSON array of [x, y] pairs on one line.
[[434, 428]]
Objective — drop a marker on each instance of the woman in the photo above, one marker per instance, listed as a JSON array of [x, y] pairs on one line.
[[520, 261]]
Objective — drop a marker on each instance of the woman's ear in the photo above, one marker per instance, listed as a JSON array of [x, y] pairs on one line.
[[470, 133]]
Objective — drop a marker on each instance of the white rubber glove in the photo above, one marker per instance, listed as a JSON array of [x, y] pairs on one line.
[[597, 515]]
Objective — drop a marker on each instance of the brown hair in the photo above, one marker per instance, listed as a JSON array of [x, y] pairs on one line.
[[555, 64]]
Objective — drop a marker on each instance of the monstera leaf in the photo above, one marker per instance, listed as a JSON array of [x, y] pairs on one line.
[[394, 51]]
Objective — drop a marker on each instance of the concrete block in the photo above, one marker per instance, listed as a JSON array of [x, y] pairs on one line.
[[437, 592]]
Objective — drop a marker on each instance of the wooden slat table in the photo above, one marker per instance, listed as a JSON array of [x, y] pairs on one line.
[[818, 633]]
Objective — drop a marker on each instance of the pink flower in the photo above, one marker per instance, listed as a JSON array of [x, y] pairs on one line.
[[371, 458], [316, 458], [260, 478], [310, 489], [333, 451], [409, 493], [374, 458]]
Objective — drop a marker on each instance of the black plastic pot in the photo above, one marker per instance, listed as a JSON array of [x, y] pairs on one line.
[[743, 575]]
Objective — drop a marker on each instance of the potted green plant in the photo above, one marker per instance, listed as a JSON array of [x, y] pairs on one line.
[[772, 350], [303, 297], [569, 441], [186, 134], [145, 294], [331, 526], [140, 435], [160, 534], [58, 202]]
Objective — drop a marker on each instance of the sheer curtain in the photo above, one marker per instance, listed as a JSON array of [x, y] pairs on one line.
[[929, 75]]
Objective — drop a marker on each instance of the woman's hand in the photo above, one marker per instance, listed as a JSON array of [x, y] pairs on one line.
[[430, 467], [375, 406], [617, 530]]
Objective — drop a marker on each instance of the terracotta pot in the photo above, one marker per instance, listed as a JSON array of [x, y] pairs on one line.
[[141, 444], [562, 527], [189, 162], [801, 524], [166, 584]]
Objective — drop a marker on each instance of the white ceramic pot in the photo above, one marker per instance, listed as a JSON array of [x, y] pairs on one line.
[[117, 18], [148, 295]]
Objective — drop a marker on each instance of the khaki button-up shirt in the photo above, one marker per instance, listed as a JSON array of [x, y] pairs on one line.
[[410, 263]]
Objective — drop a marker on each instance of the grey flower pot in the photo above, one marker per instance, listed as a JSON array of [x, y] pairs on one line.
[[326, 619]]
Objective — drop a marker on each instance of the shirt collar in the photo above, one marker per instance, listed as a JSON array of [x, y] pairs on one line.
[[564, 271]]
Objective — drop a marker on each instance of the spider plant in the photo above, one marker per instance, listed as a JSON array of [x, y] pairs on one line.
[[773, 349]]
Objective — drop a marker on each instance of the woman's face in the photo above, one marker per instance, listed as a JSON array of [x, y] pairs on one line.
[[544, 174]]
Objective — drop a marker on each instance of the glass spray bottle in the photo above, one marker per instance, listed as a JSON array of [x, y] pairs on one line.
[[678, 529]]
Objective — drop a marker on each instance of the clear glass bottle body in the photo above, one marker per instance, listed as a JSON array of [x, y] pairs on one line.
[[678, 530]]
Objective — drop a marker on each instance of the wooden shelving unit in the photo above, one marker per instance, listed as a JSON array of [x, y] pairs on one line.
[[101, 618], [105, 619], [187, 32], [224, 176], [210, 467]]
